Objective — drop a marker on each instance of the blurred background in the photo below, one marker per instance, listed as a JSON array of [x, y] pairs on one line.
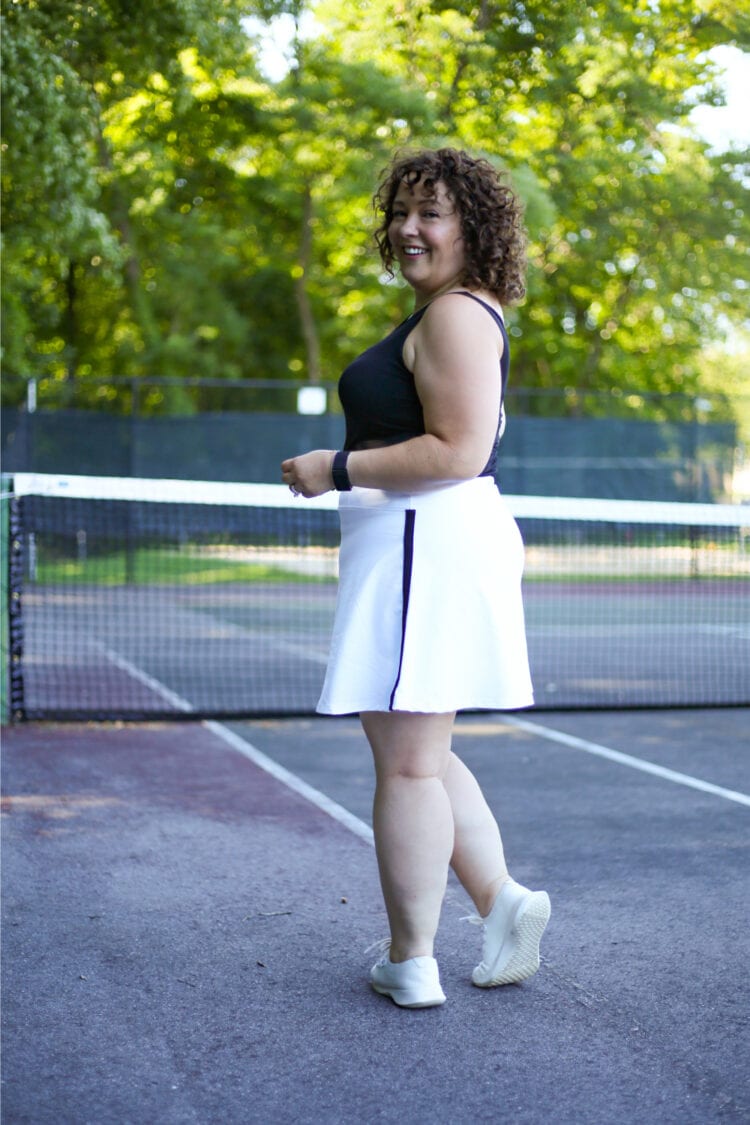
[[188, 252]]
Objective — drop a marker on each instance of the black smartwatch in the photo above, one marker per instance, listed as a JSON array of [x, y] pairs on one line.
[[339, 472]]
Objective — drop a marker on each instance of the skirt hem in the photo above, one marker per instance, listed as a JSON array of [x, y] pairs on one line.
[[340, 711]]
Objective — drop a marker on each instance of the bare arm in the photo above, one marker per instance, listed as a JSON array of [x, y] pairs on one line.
[[454, 355]]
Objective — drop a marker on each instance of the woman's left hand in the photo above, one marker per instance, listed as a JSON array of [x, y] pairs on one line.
[[310, 473]]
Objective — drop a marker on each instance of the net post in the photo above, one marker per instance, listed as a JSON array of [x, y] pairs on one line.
[[12, 706], [17, 703], [5, 487]]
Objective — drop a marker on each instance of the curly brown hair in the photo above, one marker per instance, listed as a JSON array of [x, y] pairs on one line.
[[491, 216]]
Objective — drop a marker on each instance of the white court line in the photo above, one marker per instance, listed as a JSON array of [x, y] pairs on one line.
[[352, 822], [143, 677], [314, 796], [627, 760], [338, 812]]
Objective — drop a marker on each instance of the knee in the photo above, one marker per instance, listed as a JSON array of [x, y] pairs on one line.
[[413, 747], [413, 767]]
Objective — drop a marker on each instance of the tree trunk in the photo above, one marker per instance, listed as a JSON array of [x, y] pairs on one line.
[[139, 302], [304, 307], [483, 20], [70, 324]]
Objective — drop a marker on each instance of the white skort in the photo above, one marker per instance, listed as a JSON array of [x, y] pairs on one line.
[[429, 615]]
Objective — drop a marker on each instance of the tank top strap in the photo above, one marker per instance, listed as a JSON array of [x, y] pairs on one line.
[[496, 316], [412, 320]]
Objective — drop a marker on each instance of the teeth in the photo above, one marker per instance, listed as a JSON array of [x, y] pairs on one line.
[[413, 251]]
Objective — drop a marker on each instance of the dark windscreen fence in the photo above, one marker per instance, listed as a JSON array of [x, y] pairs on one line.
[[625, 459], [141, 598], [622, 458], [221, 447]]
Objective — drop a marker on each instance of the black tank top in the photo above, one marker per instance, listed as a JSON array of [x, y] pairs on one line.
[[380, 400]]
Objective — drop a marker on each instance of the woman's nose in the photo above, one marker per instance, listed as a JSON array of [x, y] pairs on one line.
[[409, 226]]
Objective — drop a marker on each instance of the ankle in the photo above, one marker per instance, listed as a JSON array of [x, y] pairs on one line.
[[486, 901], [399, 953]]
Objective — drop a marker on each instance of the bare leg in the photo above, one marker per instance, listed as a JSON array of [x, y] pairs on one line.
[[514, 917], [412, 822], [478, 859]]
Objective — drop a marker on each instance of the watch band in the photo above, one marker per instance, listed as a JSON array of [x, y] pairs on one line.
[[339, 471]]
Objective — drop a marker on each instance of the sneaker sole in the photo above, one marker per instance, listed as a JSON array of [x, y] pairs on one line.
[[527, 933], [404, 1000]]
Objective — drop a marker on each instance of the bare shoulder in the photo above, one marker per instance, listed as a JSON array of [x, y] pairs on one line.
[[472, 299], [453, 320]]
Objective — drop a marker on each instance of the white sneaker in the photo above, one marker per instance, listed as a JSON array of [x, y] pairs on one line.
[[512, 932], [410, 984]]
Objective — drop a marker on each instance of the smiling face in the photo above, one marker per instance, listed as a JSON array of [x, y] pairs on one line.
[[425, 233]]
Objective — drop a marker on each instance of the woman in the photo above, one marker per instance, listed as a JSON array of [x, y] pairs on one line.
[[429, 617]]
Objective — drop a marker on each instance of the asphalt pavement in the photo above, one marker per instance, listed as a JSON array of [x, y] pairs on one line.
[[185, 936]]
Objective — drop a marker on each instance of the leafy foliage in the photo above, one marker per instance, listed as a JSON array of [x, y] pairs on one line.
[[170, 210]]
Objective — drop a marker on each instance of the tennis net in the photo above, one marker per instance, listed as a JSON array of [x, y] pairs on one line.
[[148, 599]]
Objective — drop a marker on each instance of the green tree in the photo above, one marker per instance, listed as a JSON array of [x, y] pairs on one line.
[[172, 211], [639, 236], [67, 226]]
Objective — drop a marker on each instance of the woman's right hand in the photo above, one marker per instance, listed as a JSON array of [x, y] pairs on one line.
[[309, 474]]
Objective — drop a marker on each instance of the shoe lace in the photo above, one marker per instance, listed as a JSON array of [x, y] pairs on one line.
[[382, 945], [475, 920]]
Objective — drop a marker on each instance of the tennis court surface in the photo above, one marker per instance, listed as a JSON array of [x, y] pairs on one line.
[[187, 907], [188, 903]]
